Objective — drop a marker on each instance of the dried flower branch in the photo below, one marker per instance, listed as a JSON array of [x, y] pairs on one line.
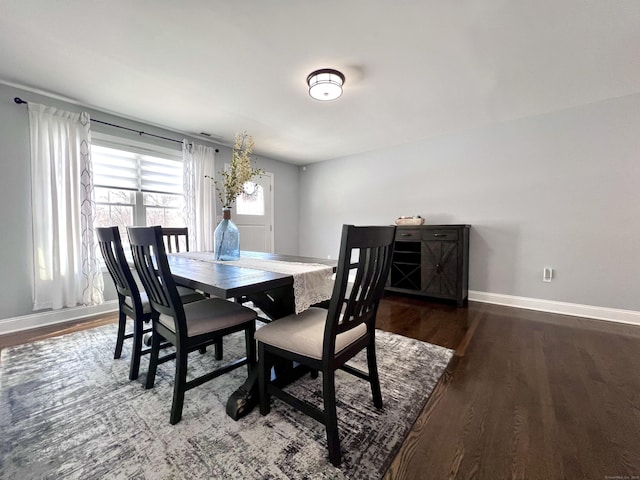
[[239, 172]]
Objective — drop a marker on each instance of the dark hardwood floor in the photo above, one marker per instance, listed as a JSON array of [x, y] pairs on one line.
[[529, 395]]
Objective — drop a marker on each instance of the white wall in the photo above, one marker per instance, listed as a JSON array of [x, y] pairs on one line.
[[15, 194], [560, 190]]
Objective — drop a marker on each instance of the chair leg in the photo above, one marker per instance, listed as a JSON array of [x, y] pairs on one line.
[[179, 385], [138, 327], [153, 359], [373, 374], [331, 417], [218, 349], [122, 325], [264, 376], [250, 345]]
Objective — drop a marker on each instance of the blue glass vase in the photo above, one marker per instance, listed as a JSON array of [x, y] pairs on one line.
[[226, 238]]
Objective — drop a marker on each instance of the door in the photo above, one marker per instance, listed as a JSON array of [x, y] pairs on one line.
[[440, 272], [253, 215]]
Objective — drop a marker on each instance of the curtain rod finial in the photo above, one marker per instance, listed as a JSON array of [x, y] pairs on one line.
[[19, 101]]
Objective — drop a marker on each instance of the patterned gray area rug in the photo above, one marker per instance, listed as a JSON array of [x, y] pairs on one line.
[[68, 410]]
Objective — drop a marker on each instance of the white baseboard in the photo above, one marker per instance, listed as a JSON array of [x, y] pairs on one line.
[[573, 309], [34, 320]]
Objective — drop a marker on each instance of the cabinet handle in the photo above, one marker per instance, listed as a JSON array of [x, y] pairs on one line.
[[439, 234], [405, 234]]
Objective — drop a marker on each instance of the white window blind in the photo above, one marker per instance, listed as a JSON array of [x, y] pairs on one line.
[[160, 175], [130, 170]]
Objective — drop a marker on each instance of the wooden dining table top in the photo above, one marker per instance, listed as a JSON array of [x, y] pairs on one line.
[[231, 281]]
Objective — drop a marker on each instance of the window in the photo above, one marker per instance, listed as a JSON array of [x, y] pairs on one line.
[[136, 184], [251, 200]]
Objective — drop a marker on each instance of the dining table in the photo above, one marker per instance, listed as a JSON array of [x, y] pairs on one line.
[[278, 285]]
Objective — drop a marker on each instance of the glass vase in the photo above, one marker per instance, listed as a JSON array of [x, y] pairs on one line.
[[226, 238]]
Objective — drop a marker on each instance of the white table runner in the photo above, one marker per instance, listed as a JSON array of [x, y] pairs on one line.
[[312, 282]]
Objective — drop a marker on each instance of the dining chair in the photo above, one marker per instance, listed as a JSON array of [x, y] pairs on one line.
[[176, 239], [188, 327], [132, 299], [324, 340]]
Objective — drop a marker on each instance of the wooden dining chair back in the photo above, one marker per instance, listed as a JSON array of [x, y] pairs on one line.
[[176, 239], [324, 340], [189, 326], [131, 301]]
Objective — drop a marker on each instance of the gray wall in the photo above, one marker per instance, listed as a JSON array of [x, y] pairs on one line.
[[559, 190], [15, 196]]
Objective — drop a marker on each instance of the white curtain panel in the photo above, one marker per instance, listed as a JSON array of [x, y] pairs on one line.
[[66, 268], [199, 192]]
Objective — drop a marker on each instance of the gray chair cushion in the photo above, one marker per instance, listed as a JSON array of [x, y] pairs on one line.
[[304, 333], [210, 315], [146, 306]]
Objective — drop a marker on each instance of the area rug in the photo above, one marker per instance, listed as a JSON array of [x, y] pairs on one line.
[[68, 410]]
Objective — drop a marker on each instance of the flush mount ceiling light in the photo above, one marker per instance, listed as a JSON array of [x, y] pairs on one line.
[[325, 84]]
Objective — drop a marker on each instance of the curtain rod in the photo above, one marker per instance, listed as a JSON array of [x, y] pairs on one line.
[[19, 101]]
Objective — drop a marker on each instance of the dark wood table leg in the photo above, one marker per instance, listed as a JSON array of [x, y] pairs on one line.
[[275, 303], [246, 397], [242, 401]]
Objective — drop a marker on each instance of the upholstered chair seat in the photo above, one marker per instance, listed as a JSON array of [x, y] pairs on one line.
[[303, 334], [214, 314]]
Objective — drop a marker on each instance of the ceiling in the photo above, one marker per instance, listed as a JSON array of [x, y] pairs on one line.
[[414, 69]]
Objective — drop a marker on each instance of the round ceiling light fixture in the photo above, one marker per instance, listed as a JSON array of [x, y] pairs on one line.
[[325, 84]]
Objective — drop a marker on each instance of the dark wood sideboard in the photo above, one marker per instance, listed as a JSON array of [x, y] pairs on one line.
[[432, 261]]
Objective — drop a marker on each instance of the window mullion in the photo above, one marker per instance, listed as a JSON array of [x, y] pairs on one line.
[[140, 210], [141, 217]]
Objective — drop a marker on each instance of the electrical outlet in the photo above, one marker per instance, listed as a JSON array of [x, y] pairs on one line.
[[547, 274]]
